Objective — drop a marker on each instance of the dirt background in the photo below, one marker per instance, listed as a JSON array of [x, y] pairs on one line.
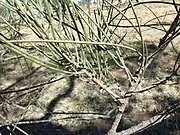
[[69, 95]]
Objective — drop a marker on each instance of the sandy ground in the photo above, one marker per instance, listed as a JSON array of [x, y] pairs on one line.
[[85, 97]]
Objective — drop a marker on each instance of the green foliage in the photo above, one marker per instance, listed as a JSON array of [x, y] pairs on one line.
[[73, 40], [93, 50]]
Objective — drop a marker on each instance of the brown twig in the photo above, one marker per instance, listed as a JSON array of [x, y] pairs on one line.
[[163, 81], [118, 118], [99, 83], [151, 122], [154, 120], [122, 103]]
